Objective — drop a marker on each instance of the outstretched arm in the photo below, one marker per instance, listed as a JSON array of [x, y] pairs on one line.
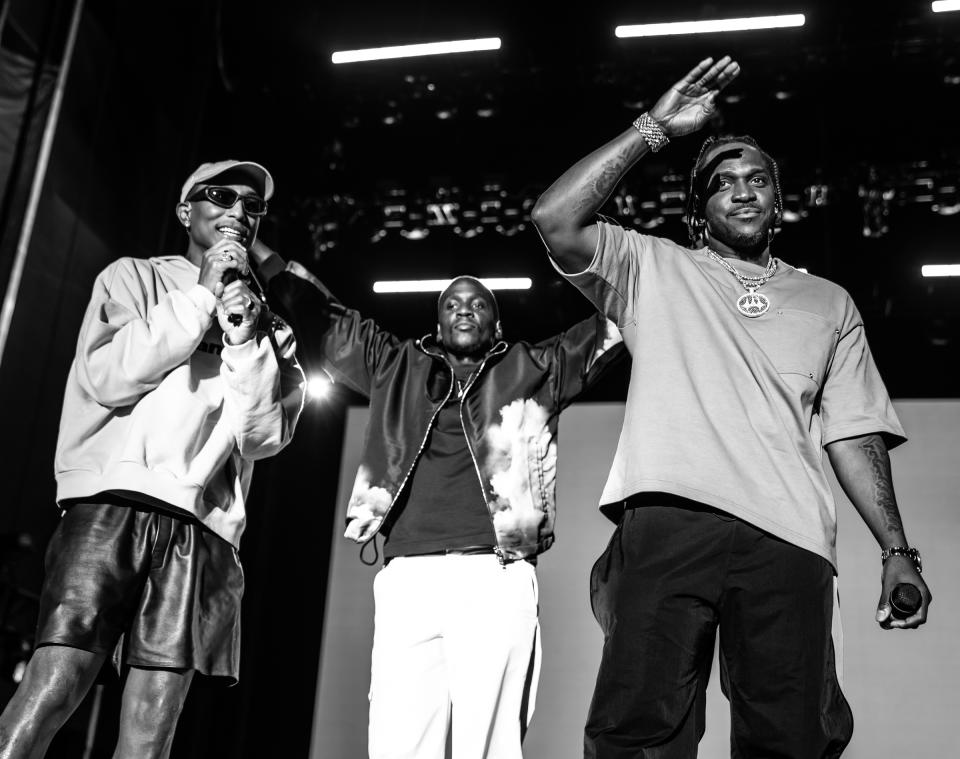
[[349, 346], [862, 466], [565, 212]]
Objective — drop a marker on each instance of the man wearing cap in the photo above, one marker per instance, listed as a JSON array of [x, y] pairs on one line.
[[744, 371], [457, 475], [181, 380]]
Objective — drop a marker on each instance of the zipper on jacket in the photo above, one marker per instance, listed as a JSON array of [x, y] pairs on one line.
[[497, 549], [416, 458]]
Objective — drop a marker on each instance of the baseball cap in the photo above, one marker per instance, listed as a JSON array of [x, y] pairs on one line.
[[262, 180]]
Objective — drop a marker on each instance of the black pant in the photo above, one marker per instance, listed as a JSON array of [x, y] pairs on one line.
[[669, 577]]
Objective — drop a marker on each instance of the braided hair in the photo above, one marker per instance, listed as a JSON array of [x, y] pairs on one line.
[[696, 223]]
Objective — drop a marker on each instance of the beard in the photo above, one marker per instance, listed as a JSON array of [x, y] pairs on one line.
[[748, 244]]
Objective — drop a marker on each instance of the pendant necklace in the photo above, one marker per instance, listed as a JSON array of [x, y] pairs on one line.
[[461, 385], [752, 303]]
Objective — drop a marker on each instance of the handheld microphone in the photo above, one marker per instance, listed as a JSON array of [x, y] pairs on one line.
[[230, 276], [905, 599], [251, 279]]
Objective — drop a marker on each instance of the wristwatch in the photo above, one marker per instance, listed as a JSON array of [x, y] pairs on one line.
[[911, 553]]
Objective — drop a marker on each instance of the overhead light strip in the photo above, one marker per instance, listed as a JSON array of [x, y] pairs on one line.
[[940, 270], [437, 285], [413, 51], [708, 27], [943, 6]]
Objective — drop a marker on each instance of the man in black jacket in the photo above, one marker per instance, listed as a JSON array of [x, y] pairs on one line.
[[458, 475]]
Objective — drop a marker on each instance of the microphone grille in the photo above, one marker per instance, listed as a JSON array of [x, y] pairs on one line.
[[905, 598]]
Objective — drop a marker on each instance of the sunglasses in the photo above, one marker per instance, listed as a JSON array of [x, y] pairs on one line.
[[227, 198]]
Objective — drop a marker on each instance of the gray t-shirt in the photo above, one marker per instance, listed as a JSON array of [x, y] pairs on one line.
[[728, 410]]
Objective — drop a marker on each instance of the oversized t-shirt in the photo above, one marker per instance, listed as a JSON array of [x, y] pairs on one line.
[[727, 410]]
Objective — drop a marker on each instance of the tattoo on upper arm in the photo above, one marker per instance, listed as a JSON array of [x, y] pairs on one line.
[[876, 453]]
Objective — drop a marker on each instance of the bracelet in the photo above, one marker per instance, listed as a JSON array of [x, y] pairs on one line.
[[911, 553], [652, 131]]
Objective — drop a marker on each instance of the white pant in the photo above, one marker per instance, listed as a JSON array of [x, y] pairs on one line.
[[456, 643]]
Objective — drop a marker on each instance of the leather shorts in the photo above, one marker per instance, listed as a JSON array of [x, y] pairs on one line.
[[145, 587]]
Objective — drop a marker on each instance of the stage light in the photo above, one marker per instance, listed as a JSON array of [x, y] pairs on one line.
[[943, 6], [437, 285], [708, 27], [413, 51], [940, 270], [318, 386]]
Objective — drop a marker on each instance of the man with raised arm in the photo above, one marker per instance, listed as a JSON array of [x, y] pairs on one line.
[[744, 368], [458, 475], [181, 380]]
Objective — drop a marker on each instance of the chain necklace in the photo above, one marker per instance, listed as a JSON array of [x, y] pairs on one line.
[[751, 304], [462, 385]]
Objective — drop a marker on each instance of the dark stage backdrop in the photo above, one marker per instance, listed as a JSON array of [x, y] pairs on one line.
[[901, 685]]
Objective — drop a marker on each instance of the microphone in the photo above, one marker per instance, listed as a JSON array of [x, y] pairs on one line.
[[905, 599], [229, 276]]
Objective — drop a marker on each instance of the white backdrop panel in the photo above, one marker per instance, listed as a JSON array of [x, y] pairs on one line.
[[902, 686]]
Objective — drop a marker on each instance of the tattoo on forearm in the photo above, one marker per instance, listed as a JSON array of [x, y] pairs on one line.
[[876, 453], [595, 193]]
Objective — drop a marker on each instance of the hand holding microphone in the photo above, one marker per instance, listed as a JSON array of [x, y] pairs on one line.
[[238, 312], [222, 262], [905, 599]]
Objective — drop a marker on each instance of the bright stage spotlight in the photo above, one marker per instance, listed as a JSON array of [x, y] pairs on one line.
[[706, 27], [437, 285], [413, 51], [943, 6], [318, 386]]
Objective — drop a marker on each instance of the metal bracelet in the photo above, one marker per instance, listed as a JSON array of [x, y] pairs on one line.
[[651, 131], [911, 553]]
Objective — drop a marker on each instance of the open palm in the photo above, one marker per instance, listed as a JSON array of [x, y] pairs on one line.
[[691, 102]]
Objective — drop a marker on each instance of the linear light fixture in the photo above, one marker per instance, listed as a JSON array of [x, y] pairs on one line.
[[437, 285], [707, 27], [412, 51], [940, 270], [943, 6]]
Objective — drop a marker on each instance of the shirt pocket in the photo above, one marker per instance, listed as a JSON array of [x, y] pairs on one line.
[[800, 343]]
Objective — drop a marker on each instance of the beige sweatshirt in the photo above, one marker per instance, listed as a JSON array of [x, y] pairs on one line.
[[158, 408]]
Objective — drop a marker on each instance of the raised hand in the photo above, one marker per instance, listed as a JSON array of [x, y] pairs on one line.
[[219, 259], [238, 299], [692, 101]]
